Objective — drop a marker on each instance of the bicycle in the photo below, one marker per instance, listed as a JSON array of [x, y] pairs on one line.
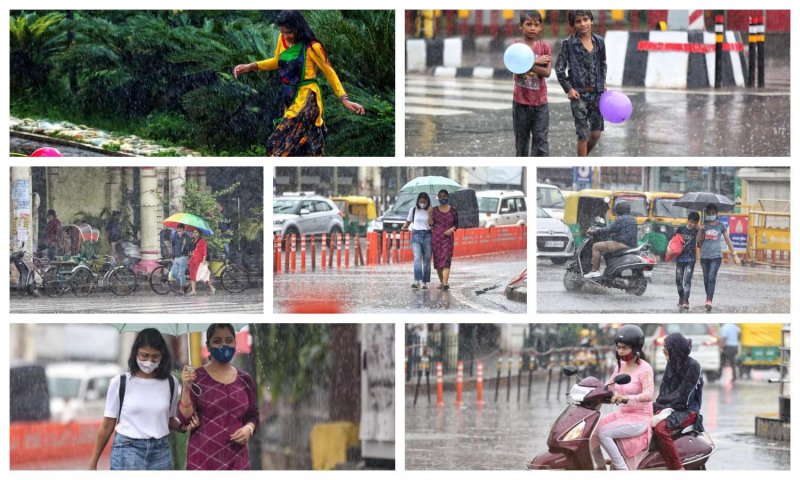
[[234, 277], [120, 279]]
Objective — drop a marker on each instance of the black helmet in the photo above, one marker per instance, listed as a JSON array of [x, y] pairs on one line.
[[630, 335], [622, 208]]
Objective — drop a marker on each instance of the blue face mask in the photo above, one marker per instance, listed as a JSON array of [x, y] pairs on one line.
[[223, 353], [711, 218], [443, 201]]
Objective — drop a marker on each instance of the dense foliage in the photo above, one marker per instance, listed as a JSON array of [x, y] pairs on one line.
[[167, 75]]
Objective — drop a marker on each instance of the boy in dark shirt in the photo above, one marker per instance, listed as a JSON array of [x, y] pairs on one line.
[[531, 114], [584, 56], [684, 264]]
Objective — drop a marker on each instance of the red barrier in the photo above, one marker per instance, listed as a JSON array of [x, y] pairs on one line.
[[324, 250], [35, 442], [468, 242], [459, 383], [479, 382], [439, 384], [303, 253], [294, 253], [276, 254]]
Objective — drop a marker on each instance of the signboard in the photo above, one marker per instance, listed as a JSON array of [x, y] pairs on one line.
[[21, 203], [737, 229], [582, 177], [772, 239]]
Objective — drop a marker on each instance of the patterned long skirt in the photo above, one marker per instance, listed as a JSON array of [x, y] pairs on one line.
[[299, 136]]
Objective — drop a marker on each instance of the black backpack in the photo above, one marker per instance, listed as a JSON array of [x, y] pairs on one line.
[[123, 380]]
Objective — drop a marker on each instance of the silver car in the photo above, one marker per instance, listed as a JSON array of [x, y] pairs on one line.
[[501, 207], [303, 215], [705, 345], [553, 238]]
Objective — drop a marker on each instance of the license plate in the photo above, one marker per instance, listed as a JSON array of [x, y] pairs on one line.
[[648, 274], [553, 244]]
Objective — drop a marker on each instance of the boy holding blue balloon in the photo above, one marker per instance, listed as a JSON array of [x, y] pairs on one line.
[[581, 71], [531, 114]]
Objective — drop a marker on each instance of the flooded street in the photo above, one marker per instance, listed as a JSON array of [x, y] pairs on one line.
[[506, 435], [464, 116], [738, 290], [476, 286]]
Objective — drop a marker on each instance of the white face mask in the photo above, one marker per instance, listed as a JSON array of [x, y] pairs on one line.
[[423, 205], [147, 366]]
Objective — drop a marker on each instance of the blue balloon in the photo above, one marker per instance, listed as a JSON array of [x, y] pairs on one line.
[[615, 106], [519, 58]]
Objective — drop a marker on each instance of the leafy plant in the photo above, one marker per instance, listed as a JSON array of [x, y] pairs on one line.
[[204, 204]]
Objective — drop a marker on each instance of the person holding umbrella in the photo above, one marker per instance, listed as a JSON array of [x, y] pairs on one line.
[[181, 248], [709, 239], [199, 259], [224, 400], [141, 406]]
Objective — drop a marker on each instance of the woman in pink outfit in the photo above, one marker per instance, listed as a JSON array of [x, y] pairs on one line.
[[631, 423]]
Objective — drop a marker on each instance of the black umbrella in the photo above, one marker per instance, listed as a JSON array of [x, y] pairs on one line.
[[699, 201]]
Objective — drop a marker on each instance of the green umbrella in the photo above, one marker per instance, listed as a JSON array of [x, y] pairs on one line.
[[431, 185], [174, 329]]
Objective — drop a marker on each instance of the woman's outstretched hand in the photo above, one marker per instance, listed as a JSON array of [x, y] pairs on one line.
[[243, 68], [352, 106]]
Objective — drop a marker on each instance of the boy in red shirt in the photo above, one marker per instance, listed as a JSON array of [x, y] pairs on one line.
[[530, 112]]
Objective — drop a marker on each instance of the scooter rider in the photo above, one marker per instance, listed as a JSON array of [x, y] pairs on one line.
[[623, 233], [632, 422], [679, 397]]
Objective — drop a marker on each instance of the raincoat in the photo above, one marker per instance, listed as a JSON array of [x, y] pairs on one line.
[[639, 408], [682, 386], [305, 59]]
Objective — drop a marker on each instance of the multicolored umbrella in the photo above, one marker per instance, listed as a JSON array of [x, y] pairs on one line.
[[192, 222]]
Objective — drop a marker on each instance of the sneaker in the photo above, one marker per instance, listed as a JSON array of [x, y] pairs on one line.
[[708, 305], [445, 287], [592, 275], [211, 290], [415, 285], [170, 277], [424, 286], [686, 305]]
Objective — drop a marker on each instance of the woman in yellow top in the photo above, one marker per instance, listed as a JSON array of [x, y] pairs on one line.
[[298, 55]]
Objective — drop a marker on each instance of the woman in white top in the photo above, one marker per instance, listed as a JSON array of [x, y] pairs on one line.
[[420, 240], [149, 402]]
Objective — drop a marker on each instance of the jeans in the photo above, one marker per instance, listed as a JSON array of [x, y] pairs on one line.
[[710, 269], [683, 278], [531, 121], [608, 433], [140, 454], [421, 246], [179, 269]]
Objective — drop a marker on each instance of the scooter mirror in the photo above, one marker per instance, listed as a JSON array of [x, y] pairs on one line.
[[622, 379], [569, 370]]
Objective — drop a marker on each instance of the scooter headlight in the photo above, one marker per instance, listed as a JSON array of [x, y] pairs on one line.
[[575, 433]]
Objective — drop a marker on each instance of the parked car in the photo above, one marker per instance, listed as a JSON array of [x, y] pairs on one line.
[[78, 389], [705, 345], [305, 215], [464, 200], [550, 198], [28, 397], [502, 207], [553, 238]]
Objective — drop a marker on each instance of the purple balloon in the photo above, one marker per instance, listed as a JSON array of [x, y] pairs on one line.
[[615, 106]]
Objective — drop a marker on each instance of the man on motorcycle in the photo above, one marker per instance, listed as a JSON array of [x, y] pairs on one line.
[[623, 233], [679, 397]]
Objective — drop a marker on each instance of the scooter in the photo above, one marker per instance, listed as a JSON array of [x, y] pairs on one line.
[[573, 444], [27, 277], [630, 269]]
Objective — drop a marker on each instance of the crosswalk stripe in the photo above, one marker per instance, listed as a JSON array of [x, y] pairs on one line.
[[434, 111], [454, 102], [458, 93]]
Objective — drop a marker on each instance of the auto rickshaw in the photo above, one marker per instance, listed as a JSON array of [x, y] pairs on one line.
[[760, 347], [663, 220], [583, 206], [357, 212]]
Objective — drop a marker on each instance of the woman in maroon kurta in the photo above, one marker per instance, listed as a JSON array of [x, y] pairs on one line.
[[444, 222], [226, 407]]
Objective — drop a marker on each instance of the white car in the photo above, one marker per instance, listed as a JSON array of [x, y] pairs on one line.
[[705, 345], [305, 215], [78, 389], [550, 198], [501, 207], [553, 238]]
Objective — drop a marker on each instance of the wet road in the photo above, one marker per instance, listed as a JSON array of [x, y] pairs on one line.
[[476, 286], [505, 436], [738, 290], [249, 301], [471, 117]]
